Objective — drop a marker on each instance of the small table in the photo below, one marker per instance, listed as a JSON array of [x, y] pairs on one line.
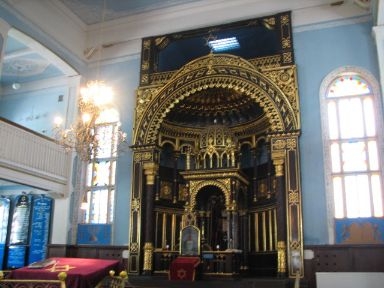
[[81, 272]]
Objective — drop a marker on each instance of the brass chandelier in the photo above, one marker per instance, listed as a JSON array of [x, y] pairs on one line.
[[85, 134]]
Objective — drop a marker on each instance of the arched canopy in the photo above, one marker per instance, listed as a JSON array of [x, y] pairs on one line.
[[215, 71]]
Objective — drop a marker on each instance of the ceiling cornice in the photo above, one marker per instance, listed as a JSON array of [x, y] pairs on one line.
[[121, 37]]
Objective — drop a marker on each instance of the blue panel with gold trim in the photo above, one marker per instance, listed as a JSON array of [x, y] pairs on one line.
[[359, 231]]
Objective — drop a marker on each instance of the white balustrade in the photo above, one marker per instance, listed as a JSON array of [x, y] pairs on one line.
[[33, 159]]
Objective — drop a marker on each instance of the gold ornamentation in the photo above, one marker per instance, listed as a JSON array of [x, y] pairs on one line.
[[286, 43], [144, 96], [223, 185], [162, 42], [60, 268], [166, 190], [148, 252], [181, 274], [269, 81], [278, 144], [150, 170], [135, 205], [146, 43], [295, 245], [279, 167], [281, 257], [183, 192], [231, 73], [144, 79], [291, 144], [142, 156], [134, 248], [285, 78], [287, 57], [293, 197], [144, 65], [266, 62], [269, 23], [188, 218], [285, 19]]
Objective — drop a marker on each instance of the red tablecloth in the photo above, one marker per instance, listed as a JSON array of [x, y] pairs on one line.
[[81, 272], [183, 268]]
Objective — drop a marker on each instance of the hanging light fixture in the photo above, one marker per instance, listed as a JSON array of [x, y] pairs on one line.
[[83, 136], [94, 100]]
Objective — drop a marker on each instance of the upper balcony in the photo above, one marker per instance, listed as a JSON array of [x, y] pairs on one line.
[[32, 159]]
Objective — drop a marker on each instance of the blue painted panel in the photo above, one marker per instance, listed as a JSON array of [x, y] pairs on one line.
[[4, 217], [39, 232], [359, 231], [16, 256], [20, 220], [95, 234]]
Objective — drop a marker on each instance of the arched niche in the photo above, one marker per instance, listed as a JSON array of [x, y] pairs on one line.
[[215, 71], [270, 138]]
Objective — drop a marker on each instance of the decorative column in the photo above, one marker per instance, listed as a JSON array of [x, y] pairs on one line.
[[281, 216], [150, 171], [244, 238], [285, 156], [254, 177], [269, 171], [175, 188], [187, 152]]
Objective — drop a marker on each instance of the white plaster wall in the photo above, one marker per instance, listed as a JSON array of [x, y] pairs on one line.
[[349, 279], [60, 221]]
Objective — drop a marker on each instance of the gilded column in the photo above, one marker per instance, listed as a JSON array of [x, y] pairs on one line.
[[150, 171], [175, 188], [254, 177], [285, 156], [281, 217]]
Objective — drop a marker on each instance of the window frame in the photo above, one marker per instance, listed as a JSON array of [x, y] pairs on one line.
[[109, 187], [378, 107]]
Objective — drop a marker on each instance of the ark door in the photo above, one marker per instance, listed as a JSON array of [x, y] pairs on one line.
[[212, 218]]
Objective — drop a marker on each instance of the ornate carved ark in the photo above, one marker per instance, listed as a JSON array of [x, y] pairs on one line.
[[216, 143]]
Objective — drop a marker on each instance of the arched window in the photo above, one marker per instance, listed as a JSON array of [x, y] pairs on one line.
[[352, 133], [100, 180]]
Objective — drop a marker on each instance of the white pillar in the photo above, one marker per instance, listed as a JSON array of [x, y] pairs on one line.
[[378, 33], [4, 28]]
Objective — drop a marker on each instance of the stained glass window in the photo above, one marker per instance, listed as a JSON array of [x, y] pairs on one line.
[[353, 146], [100, 178]]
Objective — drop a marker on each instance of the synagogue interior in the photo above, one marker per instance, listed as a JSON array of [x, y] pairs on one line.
[[193, 142]]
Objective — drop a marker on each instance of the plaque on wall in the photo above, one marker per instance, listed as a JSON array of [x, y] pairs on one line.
[[4, 217], [96, 234], [16, 256], [20, 220], [19, 230], [367, 230], [40, 227]]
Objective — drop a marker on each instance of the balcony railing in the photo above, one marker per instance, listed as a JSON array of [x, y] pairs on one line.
[[32, 159]]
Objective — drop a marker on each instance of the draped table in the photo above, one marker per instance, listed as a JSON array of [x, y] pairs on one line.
[[183, 268], [81, 272]]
